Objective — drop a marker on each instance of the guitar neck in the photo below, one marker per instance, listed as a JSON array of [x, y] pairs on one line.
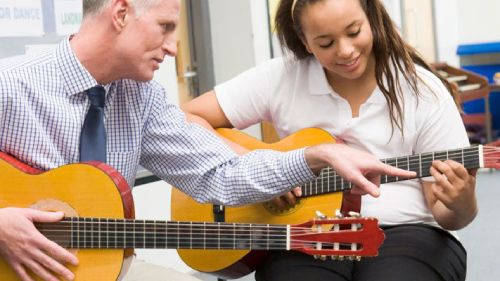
[[328, 181], [98, 233]]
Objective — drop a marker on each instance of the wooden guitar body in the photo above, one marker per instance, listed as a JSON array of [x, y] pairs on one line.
[[23, 186], [233, 264]]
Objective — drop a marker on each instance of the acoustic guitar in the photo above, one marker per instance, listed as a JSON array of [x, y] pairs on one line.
[[101, 230], [323, 194]]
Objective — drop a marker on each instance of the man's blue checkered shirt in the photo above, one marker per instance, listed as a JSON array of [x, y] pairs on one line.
[[43, 105]]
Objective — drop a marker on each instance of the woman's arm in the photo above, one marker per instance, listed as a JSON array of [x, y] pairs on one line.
[[208, 109]]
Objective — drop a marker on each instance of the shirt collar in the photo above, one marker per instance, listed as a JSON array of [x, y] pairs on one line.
[[75, 76], [318, 83]]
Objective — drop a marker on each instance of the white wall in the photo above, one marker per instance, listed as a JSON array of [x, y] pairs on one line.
[[465, 22], [447, 30], [393, 7], [478, 21], [239, 39]]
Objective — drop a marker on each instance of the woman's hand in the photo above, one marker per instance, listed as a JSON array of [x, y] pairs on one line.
[[451, 197]]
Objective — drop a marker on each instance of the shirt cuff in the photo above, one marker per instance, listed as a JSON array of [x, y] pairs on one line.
[[296, 169]]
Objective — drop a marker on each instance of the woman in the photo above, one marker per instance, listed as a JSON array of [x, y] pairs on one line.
[[354, 76]]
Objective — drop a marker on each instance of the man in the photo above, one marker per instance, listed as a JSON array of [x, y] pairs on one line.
[[43, 105]]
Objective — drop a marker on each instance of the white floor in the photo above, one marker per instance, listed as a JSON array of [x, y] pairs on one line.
[[480, 238]]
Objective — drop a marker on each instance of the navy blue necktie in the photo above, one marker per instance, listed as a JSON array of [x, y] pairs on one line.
[[93, 135]]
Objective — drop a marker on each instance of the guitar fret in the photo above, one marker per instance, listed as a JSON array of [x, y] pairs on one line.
[[316, 186], [425, 164], [335, 181], [322, 186], [328, 180], [234, 236], [144, 235], [267, 240], [99, 233], [420, 163], [204, 235], [73, 234]]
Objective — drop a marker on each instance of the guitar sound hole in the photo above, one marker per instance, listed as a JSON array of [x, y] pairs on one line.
[[273, 209]]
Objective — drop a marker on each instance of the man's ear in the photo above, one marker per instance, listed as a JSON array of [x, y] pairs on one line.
[[120, 13]]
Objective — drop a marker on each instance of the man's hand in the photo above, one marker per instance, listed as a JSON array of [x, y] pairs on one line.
[[24, 248], [360, 168]]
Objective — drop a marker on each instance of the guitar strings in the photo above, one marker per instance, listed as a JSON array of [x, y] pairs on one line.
[[223, 240], [413, 163], [266, 235]]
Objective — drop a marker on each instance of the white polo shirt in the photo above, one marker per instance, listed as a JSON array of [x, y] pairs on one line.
[[295, 94]]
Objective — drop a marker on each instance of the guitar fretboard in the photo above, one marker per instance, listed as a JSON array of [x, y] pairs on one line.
[[328, 181], [120, 234]]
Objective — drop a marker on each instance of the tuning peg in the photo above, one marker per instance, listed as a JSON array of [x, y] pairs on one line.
[[320, 215], [341, 258], [358, 258], [334, 258], [354, 214], [338, 214], [322, 257], [316, 257]]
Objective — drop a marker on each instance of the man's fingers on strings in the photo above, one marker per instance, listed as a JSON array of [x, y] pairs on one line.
[[21, 272], [59, 253], [40, 271], [49, 262]]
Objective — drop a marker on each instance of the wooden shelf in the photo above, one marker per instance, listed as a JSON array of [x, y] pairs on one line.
[[482, 92]]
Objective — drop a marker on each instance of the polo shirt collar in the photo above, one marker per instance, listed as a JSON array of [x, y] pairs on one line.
[[318, 83]]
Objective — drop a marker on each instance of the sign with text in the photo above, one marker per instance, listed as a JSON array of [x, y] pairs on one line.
[[21, 18], [68, 16]]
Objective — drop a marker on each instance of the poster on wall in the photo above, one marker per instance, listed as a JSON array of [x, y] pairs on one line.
[[68, 16], [21, 18]]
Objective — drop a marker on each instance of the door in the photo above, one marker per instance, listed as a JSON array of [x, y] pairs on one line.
[[194, 61]]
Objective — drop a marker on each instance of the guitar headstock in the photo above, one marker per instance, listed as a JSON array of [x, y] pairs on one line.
[[491, 155], [338, 238]]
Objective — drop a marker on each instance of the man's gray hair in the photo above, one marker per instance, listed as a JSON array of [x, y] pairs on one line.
[[96, 6]]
